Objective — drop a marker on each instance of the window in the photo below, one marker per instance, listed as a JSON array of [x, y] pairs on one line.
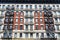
[[6, 19], [35, 6], [36, 14], [5, 35], [30, 6], [21, 27], [5, 27], [26, 35], [36, 19], [59, 19], [10, 35], [51, 27], [47, 26], [7, 13], [36, 27], [21, 19], [15, 35], [53, 5], [57, 27], [42, 27], [20, 34], [48, 34], [31, 27], [46, 19], [0, 27], [59, 34], [42, 35], [57, 5], [58, 13], [10, 26], [16, 20], [30, 12], [17, 6], [17, 14], [16, 27], [44, 6], [21, 13], [2, 12], [8, 5], [0, 19], [31, 34], [12, 5], [26, 27], [48, 5], [40, 13], [54, 13], [56, 19], [10, 31], [39, 6], [11, 19], [26, 12], [3, 6], [26, 19], [21, 6], [31, 20], [26, 6], [41, 20], [37, 35]]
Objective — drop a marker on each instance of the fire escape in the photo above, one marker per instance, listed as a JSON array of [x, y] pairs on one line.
[[48, 18], [8, 23], [49, 22]]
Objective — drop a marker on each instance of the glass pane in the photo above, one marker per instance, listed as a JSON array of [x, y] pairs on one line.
[[21, 27], [26, 35], [20, 34]]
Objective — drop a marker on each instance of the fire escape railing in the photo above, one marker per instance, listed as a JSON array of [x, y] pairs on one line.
[[49, 29], [8, 28]]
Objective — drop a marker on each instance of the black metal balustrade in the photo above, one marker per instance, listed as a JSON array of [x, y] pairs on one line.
[[49, 20], [8, 20], [45, 14], [46, 20], [11, 21], [9, 27], [7, 35], [11, 13], [49, 14], [5, 27]]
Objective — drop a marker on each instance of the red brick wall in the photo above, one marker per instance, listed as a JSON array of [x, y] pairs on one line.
[[18, 20]]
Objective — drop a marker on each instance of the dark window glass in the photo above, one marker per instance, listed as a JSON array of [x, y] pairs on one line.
[[26, 6], [31, 34], [30, 6], [20, 34], [36, 27], [21, 27], [35, 6]]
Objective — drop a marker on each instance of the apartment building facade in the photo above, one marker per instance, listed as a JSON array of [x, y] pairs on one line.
[[33, 21]]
